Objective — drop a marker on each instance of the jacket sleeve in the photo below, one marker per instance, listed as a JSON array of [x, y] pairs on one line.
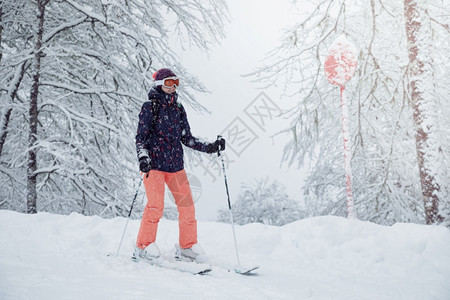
[[144, 129], [186, 136]]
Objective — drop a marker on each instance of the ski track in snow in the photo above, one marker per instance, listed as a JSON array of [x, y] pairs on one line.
[[47, 256]]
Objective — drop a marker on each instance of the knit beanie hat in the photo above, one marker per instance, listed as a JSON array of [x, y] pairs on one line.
[[163, 73]]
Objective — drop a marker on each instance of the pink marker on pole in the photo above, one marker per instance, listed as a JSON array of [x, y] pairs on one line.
[[340, 65]]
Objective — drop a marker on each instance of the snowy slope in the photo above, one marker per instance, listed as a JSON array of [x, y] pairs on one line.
[[47, 256]]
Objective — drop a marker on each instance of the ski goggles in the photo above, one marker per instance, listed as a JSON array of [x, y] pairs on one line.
[[168, 82]]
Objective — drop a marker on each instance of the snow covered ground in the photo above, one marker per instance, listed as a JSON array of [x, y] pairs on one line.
[[48, 256]]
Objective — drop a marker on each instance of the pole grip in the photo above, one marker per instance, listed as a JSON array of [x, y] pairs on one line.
[[219, 137]]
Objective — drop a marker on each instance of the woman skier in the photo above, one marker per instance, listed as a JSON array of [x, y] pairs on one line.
[[163, 128]]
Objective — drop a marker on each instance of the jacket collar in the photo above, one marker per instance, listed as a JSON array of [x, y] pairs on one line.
[[158, 94]]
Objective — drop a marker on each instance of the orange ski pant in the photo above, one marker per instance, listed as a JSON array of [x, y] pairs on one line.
[[179, 186]]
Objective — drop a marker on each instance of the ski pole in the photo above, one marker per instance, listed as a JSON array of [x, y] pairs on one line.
[[229, 205], [129, 214]]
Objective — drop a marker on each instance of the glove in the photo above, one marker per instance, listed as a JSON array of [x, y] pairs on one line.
[[218, 145], [144, 164]]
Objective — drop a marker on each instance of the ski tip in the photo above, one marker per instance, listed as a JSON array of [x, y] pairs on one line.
[[245, 271], [203, 272]]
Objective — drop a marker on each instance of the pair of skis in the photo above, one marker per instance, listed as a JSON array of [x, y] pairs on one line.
[[181, 266], [191, 267]]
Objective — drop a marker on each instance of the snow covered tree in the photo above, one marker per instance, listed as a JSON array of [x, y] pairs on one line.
[[33, 112], [263, 202], [77, 72], [423, 100], [386, 170]]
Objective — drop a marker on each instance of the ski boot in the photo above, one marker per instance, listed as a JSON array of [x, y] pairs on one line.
[[150, 253], [196, 253]]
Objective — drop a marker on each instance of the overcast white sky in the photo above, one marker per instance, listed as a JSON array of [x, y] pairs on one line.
[[253, 31]]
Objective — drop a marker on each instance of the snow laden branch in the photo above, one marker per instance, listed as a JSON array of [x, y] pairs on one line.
[[191, 13]]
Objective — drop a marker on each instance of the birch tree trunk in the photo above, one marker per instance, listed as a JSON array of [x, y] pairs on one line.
[[33, 112], [418, 30]]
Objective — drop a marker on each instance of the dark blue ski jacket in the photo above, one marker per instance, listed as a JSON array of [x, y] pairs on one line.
[[160, 136]]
